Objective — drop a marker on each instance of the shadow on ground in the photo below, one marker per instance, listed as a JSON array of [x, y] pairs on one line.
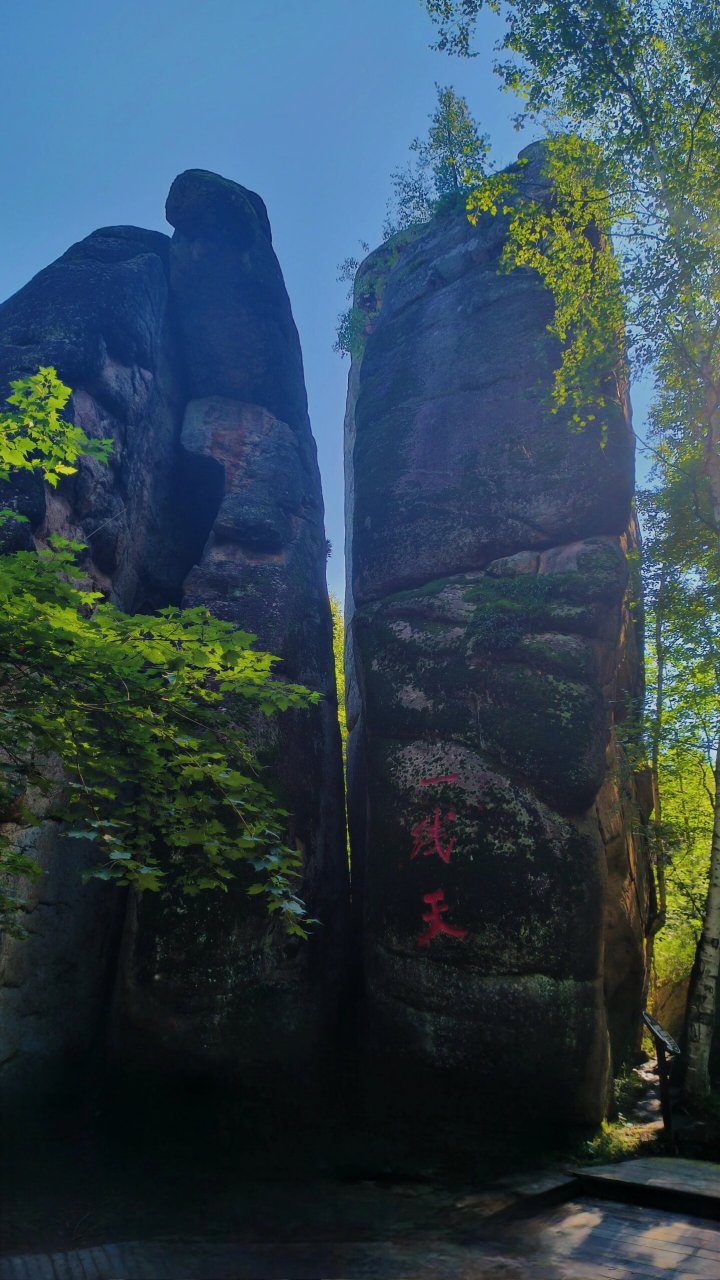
[[141, 1161]]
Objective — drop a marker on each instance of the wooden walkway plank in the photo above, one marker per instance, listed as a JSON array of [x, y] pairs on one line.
[[681, 1186], [607, 1241], [671, 1172]]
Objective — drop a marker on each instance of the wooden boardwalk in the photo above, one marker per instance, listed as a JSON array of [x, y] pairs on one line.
[[602, 1240], [647, 1218], [667, 1182]]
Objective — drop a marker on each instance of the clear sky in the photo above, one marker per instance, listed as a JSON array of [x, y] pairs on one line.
[[311, 103]]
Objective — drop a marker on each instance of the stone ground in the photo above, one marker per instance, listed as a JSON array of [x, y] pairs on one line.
[[580, 1240], [84, 1200]]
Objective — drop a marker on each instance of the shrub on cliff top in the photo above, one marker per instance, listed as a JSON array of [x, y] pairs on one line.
[[445, 167]]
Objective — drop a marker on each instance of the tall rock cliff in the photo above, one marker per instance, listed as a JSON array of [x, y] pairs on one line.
[[502, 891], [185, 352]]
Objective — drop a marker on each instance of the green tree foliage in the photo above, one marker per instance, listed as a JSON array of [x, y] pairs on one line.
[[564, 235], [682, 715], [445, 165], [686, 783], [338, 626], [170, 791], [350, 332], [34, 437], [455, 20], [631, 89], [683, 599], [445, 168]]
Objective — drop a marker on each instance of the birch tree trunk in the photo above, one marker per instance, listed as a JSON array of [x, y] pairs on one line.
[[701, 1013]]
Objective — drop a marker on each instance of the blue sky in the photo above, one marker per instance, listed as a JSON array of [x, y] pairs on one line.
[[311, 103]]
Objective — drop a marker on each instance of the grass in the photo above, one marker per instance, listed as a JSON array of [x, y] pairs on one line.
[[628, 1089], [621, 1137], [619, 1140]]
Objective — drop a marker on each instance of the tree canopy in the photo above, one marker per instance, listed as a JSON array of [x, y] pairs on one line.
[[444, 170], [444, 166], [629, 92]]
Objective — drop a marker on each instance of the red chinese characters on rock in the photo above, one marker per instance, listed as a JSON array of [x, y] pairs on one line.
[[431, 836], [434, 919]]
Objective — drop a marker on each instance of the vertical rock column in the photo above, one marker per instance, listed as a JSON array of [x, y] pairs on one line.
[[210, 983], [185, 354], [491, 650]]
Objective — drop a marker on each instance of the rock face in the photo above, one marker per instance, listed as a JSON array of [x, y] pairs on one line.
[[208, 982], [503, 894], [186, 354]]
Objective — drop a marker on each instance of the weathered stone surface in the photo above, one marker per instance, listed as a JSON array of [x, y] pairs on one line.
[[99, 315], [629, 902], [188, 357], [209, 982], [452, 417], [669, 1006], [239, 338], [502, 896], [56, 986]]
